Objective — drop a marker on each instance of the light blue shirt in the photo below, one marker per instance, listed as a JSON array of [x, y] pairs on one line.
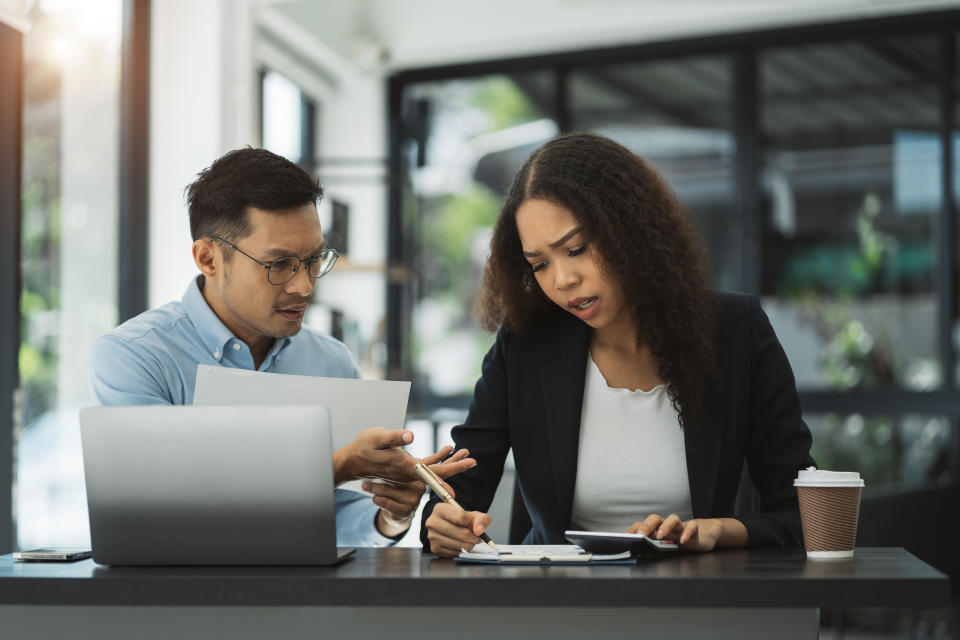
[[153, 359]]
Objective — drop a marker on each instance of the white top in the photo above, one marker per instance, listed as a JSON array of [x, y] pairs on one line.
[[632, 460]]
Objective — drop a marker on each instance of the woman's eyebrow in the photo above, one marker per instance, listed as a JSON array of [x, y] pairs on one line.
[[555, 244]]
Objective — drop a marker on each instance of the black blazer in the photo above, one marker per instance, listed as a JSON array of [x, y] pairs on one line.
[[529, 398]]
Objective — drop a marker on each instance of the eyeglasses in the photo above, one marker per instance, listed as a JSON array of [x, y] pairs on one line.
[[282, 270]]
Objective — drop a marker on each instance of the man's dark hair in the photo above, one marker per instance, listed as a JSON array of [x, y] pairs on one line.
[[242, 178]]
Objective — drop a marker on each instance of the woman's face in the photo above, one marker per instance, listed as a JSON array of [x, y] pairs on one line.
[[566, 267]]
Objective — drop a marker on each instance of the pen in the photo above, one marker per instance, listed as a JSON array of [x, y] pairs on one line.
[[433, 481]]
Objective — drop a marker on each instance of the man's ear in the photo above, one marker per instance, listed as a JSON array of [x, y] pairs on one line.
[[206, 257]]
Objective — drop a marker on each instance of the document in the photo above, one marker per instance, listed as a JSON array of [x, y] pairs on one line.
[[354, 404], [561, 554]]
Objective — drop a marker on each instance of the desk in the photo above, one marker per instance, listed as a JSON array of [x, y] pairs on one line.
[[400, 592]]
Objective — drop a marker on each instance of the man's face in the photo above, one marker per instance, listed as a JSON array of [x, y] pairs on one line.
[[252, 307]]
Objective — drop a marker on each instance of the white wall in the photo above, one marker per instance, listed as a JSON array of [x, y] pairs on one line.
[[14, 14], [186, 99]]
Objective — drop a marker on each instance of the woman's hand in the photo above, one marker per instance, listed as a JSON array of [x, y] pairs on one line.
[[698, 534], [450, 529]]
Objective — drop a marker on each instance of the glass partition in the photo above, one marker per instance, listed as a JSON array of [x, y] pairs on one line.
[[69, 253], [851, 197], [465, 140], [676, 113]]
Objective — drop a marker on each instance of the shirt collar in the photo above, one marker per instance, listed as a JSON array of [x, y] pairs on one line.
[[214, 334], [212, 331]]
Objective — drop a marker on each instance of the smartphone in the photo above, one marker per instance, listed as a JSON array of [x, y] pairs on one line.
[[612, 542], [52, 554]]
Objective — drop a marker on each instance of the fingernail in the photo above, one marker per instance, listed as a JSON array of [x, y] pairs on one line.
[[366, 486], [407, 437]]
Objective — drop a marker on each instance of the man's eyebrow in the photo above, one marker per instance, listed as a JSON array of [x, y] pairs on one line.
[[555, 244], [286, 253]]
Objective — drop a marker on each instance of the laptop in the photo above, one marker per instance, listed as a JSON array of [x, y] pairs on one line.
[[229, 485]]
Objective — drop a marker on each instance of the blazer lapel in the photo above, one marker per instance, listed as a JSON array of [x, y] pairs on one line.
[[703, 450], [562, 382]]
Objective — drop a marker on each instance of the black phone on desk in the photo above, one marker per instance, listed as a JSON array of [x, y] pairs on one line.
[[608, 542], [52, 554]]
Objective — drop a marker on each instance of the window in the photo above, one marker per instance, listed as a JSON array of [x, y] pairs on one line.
[[852, 194], [464, 140], [69, 252], [288, 122], [676, 114]]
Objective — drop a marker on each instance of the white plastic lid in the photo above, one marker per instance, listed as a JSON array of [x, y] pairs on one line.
[[813, 477]]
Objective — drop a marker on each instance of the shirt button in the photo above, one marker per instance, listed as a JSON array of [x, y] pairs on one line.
[[216, 354], [236, 346]]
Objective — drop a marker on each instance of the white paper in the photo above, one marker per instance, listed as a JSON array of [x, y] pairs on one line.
[[536, 552], [354, 404]]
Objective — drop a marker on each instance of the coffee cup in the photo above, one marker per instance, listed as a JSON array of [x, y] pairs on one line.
[[829, 511]]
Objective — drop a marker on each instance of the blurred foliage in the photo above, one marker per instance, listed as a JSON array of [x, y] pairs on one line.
[[878, 262], [856, 356], [451, 229], [857, 443], [504, 104], [40, 235]]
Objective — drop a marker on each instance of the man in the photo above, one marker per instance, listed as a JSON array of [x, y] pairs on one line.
[[259, 248]]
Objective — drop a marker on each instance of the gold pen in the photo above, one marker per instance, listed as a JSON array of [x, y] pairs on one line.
[[433, 481]]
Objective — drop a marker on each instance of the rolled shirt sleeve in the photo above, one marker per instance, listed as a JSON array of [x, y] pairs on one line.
[[356, 521]]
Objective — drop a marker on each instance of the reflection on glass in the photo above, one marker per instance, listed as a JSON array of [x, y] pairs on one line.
[[676, 114], [906, 452], [465, 140], [852, 191], [955, 150], [68, 248]]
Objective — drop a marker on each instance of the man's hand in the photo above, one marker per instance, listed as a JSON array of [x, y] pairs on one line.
[[450, 529], [378, 453], [397, 502]]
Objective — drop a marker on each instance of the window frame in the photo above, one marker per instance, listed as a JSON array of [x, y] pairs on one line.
[[746, 230]]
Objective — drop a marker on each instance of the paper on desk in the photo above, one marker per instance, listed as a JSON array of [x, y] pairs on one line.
[[354, 404], [527, 553]]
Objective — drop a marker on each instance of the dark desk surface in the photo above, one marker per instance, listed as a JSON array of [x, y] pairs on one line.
[[875, 577]]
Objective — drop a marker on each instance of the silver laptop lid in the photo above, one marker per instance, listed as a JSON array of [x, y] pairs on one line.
[[209, 485]]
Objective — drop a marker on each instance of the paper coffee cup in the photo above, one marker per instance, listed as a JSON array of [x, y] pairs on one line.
[[829, 511]]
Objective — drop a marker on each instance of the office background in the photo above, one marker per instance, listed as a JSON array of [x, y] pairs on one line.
[[815, 144]]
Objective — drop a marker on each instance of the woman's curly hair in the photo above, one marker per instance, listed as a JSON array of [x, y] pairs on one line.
[[644, 240]]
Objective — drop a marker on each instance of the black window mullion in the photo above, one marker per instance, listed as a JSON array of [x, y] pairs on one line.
[[308, 134], [11, 142], [133, 245], [561, 96], [395, 234], [947, 267], [746, 230]]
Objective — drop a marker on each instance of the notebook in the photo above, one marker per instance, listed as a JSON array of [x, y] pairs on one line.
[[229, 485], [540, 554]]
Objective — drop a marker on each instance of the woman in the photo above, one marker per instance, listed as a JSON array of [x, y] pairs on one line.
[[630, 393]]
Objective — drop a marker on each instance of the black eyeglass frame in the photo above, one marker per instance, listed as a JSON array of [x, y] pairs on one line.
[[325, 253]]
